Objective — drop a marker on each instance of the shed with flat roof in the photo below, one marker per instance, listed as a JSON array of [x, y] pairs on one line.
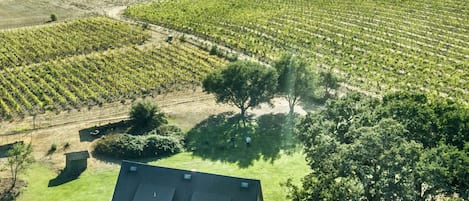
[[76, 162]]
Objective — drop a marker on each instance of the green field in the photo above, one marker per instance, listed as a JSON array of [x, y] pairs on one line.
[[88, 62], [24, 46], [98, 184], [378, 46]]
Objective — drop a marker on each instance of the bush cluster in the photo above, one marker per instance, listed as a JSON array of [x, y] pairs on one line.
[[129, 146], [149, 135], [168, 130]]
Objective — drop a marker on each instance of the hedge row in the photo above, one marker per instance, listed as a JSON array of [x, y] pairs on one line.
[[129, 146]]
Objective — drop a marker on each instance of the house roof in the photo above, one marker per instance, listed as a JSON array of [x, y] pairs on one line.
[[79, 155], [138, 181]]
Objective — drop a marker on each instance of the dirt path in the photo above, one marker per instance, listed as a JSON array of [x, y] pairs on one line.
[[116, 12], [160, 33]]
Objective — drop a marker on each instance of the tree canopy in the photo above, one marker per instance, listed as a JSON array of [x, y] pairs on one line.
[[297, 81], [243, 84], [145, 116], [362, 148], [330, 82], [19, 158]]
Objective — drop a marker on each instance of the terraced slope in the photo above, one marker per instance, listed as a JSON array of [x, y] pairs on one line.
[[90, 62], [378, 46]]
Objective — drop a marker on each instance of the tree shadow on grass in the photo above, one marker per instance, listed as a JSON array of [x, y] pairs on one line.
[[212, 138]]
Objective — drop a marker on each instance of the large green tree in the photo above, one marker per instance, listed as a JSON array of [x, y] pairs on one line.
[[19, 158], [145, 116], [296, 80], [244, 84], [330, 82], [413, 111], [374, 163], [362, 148], [444, 170], [452, 122]]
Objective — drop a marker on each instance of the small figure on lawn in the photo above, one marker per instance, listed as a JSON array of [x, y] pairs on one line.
[[232, 141], [248, 141]]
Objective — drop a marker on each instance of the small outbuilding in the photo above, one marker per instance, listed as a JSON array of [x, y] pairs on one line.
[[76, 162]]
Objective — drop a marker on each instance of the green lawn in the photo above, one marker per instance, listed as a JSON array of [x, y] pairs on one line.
[[91, 185], [96, 184], [273, 157], [270, 174]]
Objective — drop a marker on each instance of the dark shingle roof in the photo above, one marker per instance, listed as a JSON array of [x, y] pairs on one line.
[[79, 155], [139, 181]]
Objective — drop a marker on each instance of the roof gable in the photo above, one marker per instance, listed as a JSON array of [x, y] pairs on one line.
[[137, 179]]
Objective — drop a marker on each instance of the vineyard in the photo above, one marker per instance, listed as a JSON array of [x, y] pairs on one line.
[[378, 46], [106, 67], [25, 46]]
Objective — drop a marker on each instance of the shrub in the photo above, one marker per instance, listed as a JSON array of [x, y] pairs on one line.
[[213, 50], [232, 57], [53, 147], [120, 146], [145, 26], [129, 146], [168, 130], [53, 17], [182, 38], [157, 145], [66, 145]]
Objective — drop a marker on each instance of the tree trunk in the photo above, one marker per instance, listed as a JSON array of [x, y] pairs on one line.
[[291, 104], [243, 115], [420, 196], [327, 94], [13, 176], [292, 108]]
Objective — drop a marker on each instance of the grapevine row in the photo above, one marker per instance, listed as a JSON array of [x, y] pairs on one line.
[[99, 77], [24, 46], [377, 45]]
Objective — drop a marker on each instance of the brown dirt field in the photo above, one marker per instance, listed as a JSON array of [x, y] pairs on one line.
[[20, 13]]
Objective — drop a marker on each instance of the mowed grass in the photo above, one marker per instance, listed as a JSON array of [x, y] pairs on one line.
[[93, 184], [273, 157], [98, 184]]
